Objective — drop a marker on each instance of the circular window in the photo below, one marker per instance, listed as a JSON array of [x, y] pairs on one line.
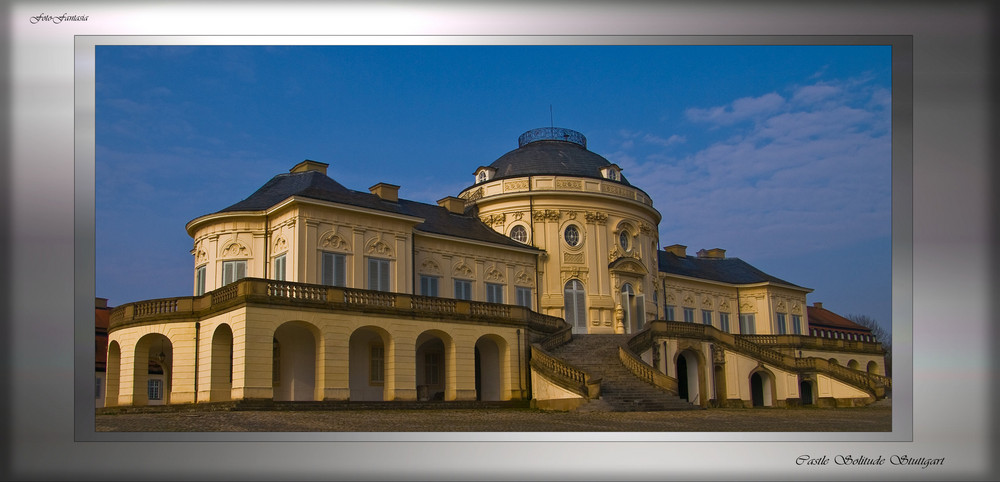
[[623, 240], [519, 234], [571, 235]]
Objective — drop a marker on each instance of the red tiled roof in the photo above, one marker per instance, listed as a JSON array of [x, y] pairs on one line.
[[824, 318]]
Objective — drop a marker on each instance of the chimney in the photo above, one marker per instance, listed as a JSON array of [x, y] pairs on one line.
[[678, 250], [817, 304], [100, 302], [714, 253], [310, 165], [453, 204], [387, 192]]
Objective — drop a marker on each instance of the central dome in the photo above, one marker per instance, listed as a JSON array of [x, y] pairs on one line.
[[551, 151]]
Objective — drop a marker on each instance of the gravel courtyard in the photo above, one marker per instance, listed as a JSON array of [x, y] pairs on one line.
[[877, 418]]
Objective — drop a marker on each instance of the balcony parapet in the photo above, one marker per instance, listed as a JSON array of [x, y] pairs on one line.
[[302, 295], [805, 342]]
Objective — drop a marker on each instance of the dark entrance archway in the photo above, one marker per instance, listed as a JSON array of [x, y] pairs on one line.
[[757, 390], [805, 392], [682, 378]]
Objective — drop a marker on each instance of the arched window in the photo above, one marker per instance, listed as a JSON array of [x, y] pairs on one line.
[[482, 177], [575, 303], [519, 234]]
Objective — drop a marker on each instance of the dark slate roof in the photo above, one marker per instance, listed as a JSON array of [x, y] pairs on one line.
[[824, 318], [726, 270], [316, 185], [551, 157]]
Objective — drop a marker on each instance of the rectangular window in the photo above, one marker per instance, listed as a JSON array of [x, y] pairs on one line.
[[233, 270], [279, 268], [376, 365], [428, 285], [706, 317], [782, 329], [724, 322], [494, 293], [463, 289], [689, 315], [333, 269], [747, 324], [668, 311], [199, 283], [797, 324], [523, 296], [432, 368], [155, 389], [378, 274]]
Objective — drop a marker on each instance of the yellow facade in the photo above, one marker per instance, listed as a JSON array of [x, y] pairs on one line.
[[351, 296]]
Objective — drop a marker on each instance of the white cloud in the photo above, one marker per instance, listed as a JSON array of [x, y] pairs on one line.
[[740, 109]]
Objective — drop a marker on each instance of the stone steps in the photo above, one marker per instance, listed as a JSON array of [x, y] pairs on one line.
[[620, 390]]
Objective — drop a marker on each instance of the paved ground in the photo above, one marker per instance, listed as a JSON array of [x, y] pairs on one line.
[[876, 418]]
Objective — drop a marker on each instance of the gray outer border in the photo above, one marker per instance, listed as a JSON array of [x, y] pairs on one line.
[[902, 242]]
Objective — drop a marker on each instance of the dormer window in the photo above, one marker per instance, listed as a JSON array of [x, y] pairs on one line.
[[483, 174], [612, 173]]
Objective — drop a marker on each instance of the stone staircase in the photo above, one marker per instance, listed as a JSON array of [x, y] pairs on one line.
[[621, 391]]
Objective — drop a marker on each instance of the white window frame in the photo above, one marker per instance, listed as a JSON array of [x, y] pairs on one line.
[[796, 324], [706, 317], [376, 364], [494, 293], [522, 236], [724, 321], [334, 271], [668, 312], [575, 305], [379, 274], [154, 389], [233, 271], [432, 368], [577, 237], [429, 285], [688, 315], [748, 323], [780, 324], [279, 268], [462, 289], [200, 274], [523, 296]]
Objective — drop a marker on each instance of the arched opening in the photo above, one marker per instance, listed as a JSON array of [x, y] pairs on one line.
[[293, 363], [806, 392], [630, 308], [575, 306], [221, 382], [682, 378], [489, 368], [688, 386], [833, 361], [368, 364], [853, 364], [112, 374], [432, 367], [152, 370], [872, 368], [761, 389]]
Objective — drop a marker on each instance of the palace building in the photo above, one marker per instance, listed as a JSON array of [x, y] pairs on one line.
[[543, 281]]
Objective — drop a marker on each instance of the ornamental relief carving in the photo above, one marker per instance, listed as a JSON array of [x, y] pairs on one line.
[[671, 298], [494, 274], [781, 305], [518, 215], [706, 302], [796, 308], [379, 248], [568, 184], [748, 307], [280, 244], [332, 240], [596, 217], [429, 266], [235, 249], [724, 305], [645, 228], [617, 253], [519, 185], [571, 215], [200, 256], [497, 219], [689, 300], [462, 270], [522, 278], [546, 215], [577, 273], [573, 258]]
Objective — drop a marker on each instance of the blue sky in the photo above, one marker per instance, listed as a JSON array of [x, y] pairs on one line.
[[779, 154]]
